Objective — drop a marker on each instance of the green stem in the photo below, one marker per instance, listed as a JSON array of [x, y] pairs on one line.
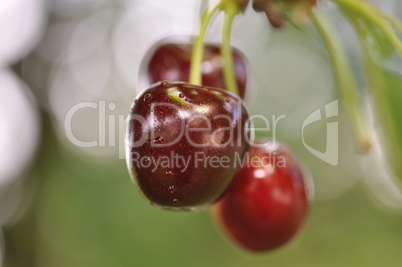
[[198, 48], [375, 77], [369, 13], [345, 78], [395, 22], [231, 10]]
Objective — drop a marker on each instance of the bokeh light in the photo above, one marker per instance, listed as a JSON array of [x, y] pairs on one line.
[[381, 180], [19, 127], [21, 25]]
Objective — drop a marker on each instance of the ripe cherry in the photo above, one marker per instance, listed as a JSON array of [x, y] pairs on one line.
[[174, 131], [171, 61], [266, 204]]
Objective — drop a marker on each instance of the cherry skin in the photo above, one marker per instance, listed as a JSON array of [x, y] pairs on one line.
[[172, 62], [266, 204], [174, 131]]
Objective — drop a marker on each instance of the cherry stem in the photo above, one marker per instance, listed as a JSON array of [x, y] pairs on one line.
[[231, 10], [345, 78], [395, 22], [371, 14], [198, 48], [374, 74]]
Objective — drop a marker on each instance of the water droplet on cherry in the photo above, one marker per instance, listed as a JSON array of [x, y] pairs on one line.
[[169, 172], [147, 97], [158, 140], [171, 189]]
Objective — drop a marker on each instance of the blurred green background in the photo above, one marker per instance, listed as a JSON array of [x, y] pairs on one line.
[[71, 206]]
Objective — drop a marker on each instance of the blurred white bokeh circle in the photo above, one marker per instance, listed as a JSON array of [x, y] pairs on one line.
[[84, 73], [382, 181], [21, 25], [333, 181], [137, 31], [19, 126]]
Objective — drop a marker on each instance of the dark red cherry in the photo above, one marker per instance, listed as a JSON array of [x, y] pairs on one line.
[[266, 204], [184, 141], [172, 61]]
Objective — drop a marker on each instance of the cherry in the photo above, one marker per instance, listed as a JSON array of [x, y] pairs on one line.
[[171, 61], [184, 143], [266, 204]]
